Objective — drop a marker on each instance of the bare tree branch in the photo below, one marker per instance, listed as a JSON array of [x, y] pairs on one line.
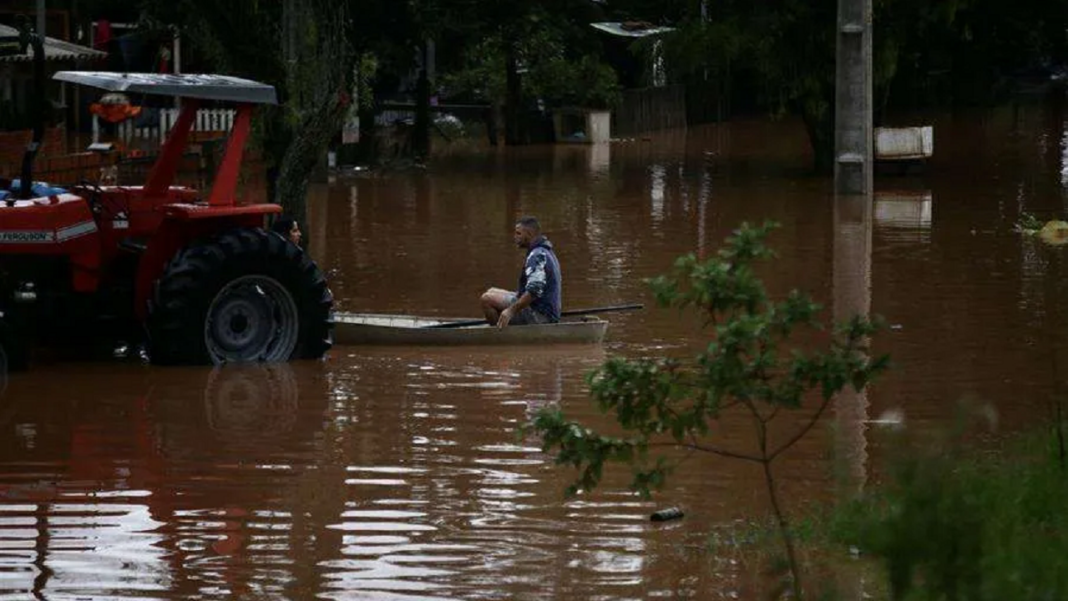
[[707, 449], [801, 433]]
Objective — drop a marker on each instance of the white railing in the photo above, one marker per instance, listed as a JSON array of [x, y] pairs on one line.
[[207, 120]]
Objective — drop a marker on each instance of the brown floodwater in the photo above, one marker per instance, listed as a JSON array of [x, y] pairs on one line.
[[398, 473]]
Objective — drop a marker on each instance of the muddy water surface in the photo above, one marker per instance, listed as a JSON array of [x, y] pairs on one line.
[[391, 473]]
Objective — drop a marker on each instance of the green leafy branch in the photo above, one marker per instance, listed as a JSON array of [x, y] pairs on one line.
[[668, 403]]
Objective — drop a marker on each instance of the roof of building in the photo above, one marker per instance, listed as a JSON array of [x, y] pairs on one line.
[[630, 29], [55, 50]]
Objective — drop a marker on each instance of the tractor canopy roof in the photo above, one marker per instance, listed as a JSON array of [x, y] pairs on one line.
[[202, 86]]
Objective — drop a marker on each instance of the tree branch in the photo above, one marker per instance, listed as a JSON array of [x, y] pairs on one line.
[[774, 412], [784, 531], [801, 433], [707, 449], [731, 405], [759, 419]]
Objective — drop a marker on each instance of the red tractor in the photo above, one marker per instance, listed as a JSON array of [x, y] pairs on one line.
[[195, 276]]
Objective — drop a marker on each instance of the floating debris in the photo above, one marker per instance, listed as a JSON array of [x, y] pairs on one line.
[[893, 419], [1054, 233], [663, 515]]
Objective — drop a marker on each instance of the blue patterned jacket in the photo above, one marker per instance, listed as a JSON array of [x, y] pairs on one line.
[[541, 278]]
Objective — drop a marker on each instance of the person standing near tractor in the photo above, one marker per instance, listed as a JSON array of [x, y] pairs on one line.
[[288, 228]]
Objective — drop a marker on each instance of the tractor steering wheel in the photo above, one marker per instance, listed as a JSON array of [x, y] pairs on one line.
[[90, 184], [95, 195]]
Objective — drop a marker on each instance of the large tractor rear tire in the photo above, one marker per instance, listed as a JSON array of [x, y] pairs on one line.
[[244, 296], [14, 356], [3, 372], [3, 368]]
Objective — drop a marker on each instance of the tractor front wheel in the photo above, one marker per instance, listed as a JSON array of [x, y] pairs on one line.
[[244, 296]]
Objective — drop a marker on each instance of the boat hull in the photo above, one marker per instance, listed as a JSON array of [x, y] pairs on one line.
[[377, 328]]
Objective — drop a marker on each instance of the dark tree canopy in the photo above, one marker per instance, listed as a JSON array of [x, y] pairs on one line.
[[773, 58]]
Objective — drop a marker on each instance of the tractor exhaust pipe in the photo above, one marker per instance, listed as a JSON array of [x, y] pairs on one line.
[[26, 38]]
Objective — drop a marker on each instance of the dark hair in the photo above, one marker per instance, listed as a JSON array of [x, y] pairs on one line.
[[530, 223], [283, 225]]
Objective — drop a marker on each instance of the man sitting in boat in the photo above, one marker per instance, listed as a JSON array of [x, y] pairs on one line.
[[537, 300]]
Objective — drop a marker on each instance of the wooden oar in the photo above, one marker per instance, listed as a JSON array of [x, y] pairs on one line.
[[475, 322]]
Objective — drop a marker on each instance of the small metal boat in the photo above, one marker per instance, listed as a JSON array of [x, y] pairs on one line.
[[378, 328]]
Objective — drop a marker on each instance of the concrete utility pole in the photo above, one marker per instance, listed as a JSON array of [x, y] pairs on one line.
[[853, 99]]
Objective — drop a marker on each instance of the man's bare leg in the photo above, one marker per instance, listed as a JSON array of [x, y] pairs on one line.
[[494, 301]]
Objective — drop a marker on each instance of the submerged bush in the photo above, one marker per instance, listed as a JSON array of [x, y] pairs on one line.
[[955, 524]]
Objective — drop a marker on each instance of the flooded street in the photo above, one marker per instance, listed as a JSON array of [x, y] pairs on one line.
[[398, 473]]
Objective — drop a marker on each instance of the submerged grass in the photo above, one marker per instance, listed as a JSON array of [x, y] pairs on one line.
[[952, 523], [949, 521]]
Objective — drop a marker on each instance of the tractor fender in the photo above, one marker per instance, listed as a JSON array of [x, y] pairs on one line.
[[174, 233]]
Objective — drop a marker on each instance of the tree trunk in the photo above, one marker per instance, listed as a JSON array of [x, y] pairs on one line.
[[420, 142], [514, 97], [495, 124], [309, 142], [275, 141], [820, 129], [302, 48], [368, 146], [319, 68], [294, 174]]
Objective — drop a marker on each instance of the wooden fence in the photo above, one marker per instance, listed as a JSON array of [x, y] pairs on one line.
[[650, 109], [13, 146]]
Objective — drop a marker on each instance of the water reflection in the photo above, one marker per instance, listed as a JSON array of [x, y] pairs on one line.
[[852, 292], [448, 501], [704, 194], [133, 507], [470, 506], [250, 402], [657, 174], [398, 473], [600, 159], [1064, 156], [904, 216], [852, 297]]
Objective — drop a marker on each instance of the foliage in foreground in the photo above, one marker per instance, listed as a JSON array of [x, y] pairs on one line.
[[748, 365], [955, 524]]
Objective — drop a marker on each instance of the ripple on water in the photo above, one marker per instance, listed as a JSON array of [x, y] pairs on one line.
[[396, 474], [71, 547]]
